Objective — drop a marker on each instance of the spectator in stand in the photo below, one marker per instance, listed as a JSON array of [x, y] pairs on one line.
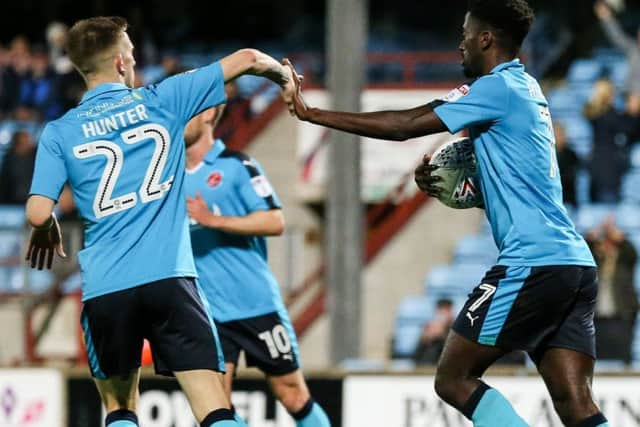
[[434, 334], [612, 131], [629, 45], [568, 164], [617, 303], [37, 91], [17, 69], [56, 34], [67, 84], [17, 169]]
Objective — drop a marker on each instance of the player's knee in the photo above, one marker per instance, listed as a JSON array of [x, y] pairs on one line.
[[293, 395], [445, 387], [573, 403]]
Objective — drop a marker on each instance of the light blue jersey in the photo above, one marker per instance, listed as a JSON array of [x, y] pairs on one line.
[[122, 152], [508, 119], [233, 269]]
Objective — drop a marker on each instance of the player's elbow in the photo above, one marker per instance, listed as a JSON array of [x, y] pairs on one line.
[[399, 134], [250, 58], [277, 223]]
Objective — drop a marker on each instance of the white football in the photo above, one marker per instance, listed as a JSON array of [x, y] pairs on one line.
[[458, 168]]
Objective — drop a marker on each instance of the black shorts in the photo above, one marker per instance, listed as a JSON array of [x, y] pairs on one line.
[[169, 313], [268, 341], [532, 309]]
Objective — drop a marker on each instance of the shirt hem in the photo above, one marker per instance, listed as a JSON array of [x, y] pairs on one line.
[[138, 282], [247, 314], [544, 263]]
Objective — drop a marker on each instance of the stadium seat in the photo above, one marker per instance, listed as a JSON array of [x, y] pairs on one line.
[[72, 284], [478, 248], [635, 155], [405, 340], [631, 187], [563, 101], [12, 217], [627, 217], [454, 281], [584, 71], [589, 216], [415, 309]]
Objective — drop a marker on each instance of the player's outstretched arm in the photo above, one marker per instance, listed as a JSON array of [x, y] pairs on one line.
[[46, 236], [254, 62], [390, 125], [257, 223]]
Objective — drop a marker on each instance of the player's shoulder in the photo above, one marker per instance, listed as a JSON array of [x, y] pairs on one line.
[[493, 81], [241, 160]]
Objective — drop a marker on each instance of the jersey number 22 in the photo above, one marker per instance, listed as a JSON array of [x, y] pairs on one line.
[[151, 189]]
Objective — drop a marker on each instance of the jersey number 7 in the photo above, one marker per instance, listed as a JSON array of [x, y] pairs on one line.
[[151, 189]]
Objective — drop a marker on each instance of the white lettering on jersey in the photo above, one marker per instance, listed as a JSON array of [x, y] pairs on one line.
[[457, 93], [114, 122], [261, 186]]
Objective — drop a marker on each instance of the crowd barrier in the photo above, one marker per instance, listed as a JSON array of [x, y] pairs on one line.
[[53, 398]]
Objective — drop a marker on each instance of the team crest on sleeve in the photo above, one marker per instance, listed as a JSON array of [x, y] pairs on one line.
[[214, 179], [261, 186], [457, 93]]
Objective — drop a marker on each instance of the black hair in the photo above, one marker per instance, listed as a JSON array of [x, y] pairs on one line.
[[511, 18]]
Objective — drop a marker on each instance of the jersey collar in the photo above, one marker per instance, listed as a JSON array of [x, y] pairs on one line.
[[215, 151], [102, 88], [505, 65]]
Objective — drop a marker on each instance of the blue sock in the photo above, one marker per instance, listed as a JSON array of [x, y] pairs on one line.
[[220, 418], [121, 418], [597, 420], [488, 408], [311, 415], [238, 419]]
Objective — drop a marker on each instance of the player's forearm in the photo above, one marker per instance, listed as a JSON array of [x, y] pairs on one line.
[[262, 223], [261, 64], [616, 34], [253, 62], [39, 210], [389, 125]]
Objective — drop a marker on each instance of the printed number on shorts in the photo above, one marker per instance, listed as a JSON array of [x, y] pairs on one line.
[[277, 341], [151, 189], [488, 291]]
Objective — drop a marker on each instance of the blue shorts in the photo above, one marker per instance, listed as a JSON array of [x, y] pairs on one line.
[[532, 309]]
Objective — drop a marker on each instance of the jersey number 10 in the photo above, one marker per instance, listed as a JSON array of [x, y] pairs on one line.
[[151, 189]]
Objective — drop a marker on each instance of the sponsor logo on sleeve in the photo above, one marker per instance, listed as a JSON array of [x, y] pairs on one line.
[[457, 93], [261, 186]]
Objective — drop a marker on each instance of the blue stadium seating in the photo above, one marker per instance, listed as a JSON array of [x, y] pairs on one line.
[[631, 186], [635, 156], [406, 339], [584, 71], [479, 248], [451, 281], [415, 309]]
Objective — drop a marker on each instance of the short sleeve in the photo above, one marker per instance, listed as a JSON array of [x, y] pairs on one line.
[[50, 172], [256, 190], [486, 100], [192, 92]]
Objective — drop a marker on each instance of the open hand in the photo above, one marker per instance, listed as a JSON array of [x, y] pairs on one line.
[[602, 11], [424, 178], [298, 106], [43, 242], [198, 210]]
